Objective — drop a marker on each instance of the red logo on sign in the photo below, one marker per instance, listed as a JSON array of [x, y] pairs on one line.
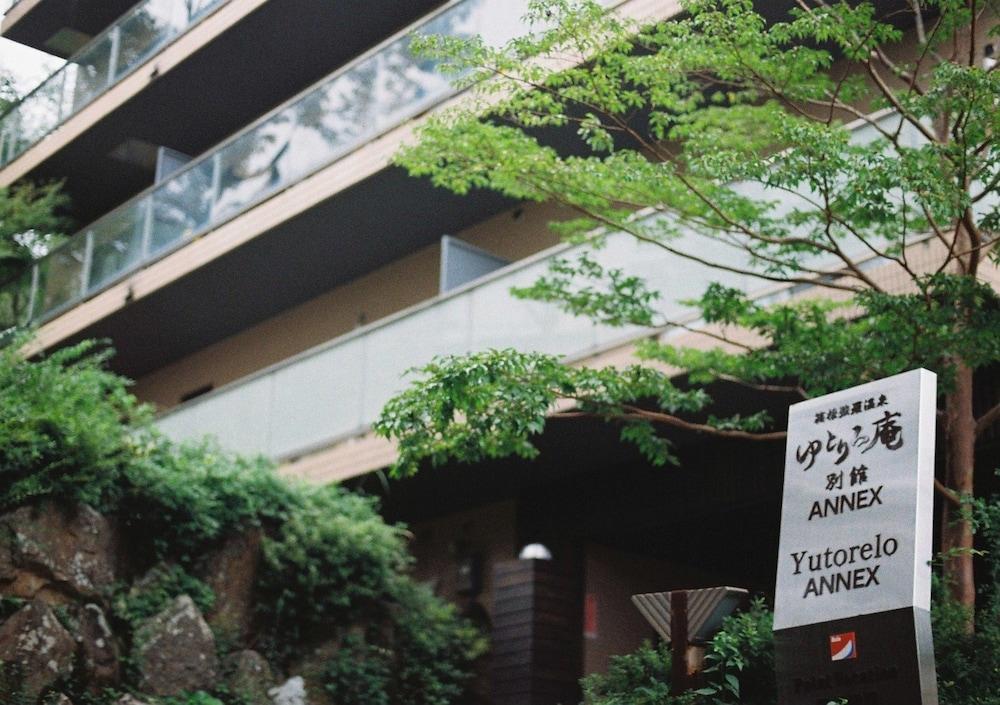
[[843, 646]]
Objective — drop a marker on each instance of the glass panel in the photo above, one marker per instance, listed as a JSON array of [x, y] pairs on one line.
[[181, 206], [373, 95], [117, 243], [146, 30], [15, 299], [61, 275], [143, 31], [39, 115], [92, 65], [196, 8], [252, 165]]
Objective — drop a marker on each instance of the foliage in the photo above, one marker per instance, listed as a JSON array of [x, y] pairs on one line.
[[682, 125], [425, 662], [196, 698], [157, 589], [434, 649], [71, 432], [841, 150], [639, 678], [64, 430], [189, 496], [740, 660], [30, 224], [969, 664], [332, 561], [739, 669], [490, 404]]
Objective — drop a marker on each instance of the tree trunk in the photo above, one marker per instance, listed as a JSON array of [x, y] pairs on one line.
[[956, 531]]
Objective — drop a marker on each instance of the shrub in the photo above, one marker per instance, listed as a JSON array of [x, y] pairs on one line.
[[70, 431], [331, 560], [739, 668], [639, 678], [163, 584], [422, 657], [66, 426]]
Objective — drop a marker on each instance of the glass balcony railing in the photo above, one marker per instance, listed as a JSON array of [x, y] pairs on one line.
[[337, 390], [371, 95], [105, 60]]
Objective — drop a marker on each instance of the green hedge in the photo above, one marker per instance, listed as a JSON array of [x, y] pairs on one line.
[[71, 431]]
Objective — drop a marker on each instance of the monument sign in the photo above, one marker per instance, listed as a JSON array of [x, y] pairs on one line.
[[852, 602]]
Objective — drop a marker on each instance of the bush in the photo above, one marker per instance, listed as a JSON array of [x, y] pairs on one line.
[[639, 678], [423, 657], [333, 559], [70, 431], [66, 426], [969, 665], [739, 668]]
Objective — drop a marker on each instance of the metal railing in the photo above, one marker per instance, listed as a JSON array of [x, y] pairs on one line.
[[100, 64], [374, 93]]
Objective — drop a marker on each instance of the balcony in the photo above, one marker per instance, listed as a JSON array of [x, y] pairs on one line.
[[374, 93], [103, 62], [57, 26], [336, 390]]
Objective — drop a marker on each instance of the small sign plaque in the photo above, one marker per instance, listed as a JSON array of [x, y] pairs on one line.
[[855, 546]]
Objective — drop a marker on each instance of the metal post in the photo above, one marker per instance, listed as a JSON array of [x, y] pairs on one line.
[[147, 228], [62, 96], [33, 295], [88, 256], [213, 195], [116, 36]]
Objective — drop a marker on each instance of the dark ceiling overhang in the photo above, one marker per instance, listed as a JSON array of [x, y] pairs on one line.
[[50, 23]]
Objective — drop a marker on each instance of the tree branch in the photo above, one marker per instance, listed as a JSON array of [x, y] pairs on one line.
[[950, 495], [985, 421]]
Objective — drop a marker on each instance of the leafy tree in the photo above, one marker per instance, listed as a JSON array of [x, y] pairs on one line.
[[723, 126]]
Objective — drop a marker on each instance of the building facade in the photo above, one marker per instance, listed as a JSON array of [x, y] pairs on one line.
[[267, 277]]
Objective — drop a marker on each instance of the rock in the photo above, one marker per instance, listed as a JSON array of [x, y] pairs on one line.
[[231, 572], [56, 550], [60, 699], [175, 651], [43, 650], [291, 692], [130, 700], [98, 649], [248, 676]]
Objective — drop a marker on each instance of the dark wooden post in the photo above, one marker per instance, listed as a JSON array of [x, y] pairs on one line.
[[537, 625], [680, 679]]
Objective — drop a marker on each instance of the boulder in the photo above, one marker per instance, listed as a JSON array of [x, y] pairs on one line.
[[291, 692], [98, 648], [175, 651], [42, 649], [53, 551], [231, 572], [248, 676], [60, 699]]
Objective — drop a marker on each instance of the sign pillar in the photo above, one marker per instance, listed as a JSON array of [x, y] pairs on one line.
[[852, 599]]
